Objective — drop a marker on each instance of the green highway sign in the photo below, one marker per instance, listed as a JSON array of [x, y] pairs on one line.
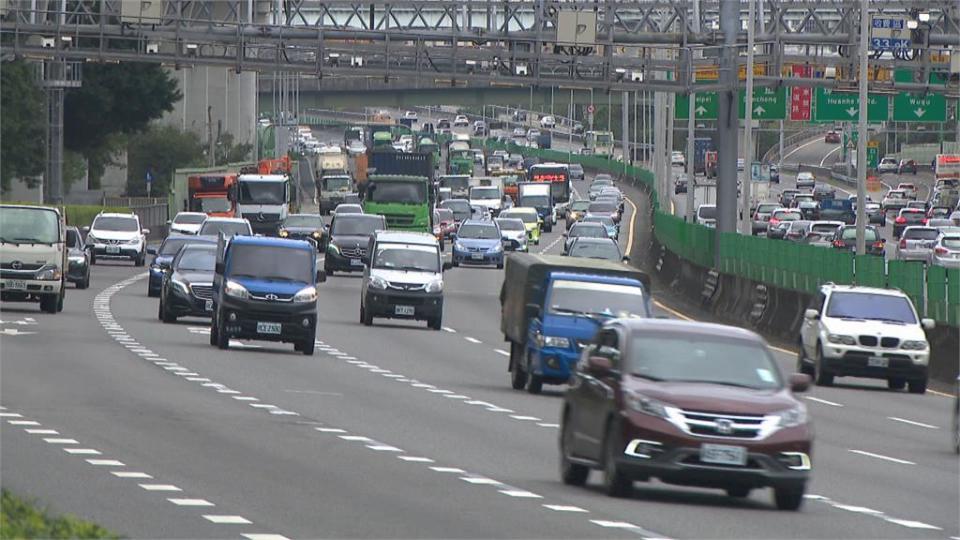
[[919, 108], [768, 104], [704, 107], [873, 154], [832, 106]]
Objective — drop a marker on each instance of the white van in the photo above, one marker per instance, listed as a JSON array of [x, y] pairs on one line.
[[33, 256]]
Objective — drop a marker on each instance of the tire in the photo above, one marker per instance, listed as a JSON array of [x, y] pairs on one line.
[[548, 227], [435, 323], [214, 334], [139, 260], [160, 310], [85, 284], [896, 383], [93, 258], [365, 317], [48, 304], [165, 314], [917, 386], [821, 377], [518, 377], [802, 366], [223, 340], [63, 294], [306, 347], [788, 498], [572, 474], [455, 263], [615, 483], [738, 492], [534, 382], [500, 266], [328, 272], [151, 293]]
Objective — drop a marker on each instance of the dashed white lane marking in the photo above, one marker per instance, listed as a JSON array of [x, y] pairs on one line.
[[359, 438], [520, 494], [82, 451], [548, 425], [245, 398], [159, 487], [481, 480], [448, 329], [384, 448], [522, 417], [130, 474], [416, 459], [885, 458], [264, 536], [913, 524], [912, 423], [873, 513], [106, 462], [10, 415], [501, 352], [825, 402], [439, 391], [330, 430], [456, 396], [565, 508], [23, 422], [448, 470], [227, 520], [43, 431], [613, 524], [472, 339], [191, 502]]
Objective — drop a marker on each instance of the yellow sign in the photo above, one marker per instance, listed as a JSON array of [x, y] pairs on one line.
[[759, 70], [706, 74], [873, 144]]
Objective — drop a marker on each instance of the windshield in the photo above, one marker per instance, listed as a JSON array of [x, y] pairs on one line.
[[457, 206], [850, 233], [350, 226], [411, 257], [228, 228], [480, 232], [536, 201], [598, 185], [579, 206], [189, 219], [209, 205], [881, 307], [256, 192], [703, 359], [595, 250], [767, 208], [510, 224], [787, 216], [272, 263], [526, 217], [337, 183], [603, 138], [399, 192], [602, 207], [171, 246], [304, 221], [124, 224], [482, 193], [444, 214], [587, 232], [455, 182], [602, 299], [707, 212], [196, 259], [921, 234]]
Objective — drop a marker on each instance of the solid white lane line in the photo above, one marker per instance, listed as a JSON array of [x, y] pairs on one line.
[[82, 451], [825, 402], [480, 480], [501, 352], [564, 508], [227, 520], [130, 474], [830, 153], [472, 339], [159, 487], [913, 524], [885, 458], [802, 146], [912, 423], [521, 494], [43, 431], [23, 422], [191, 502], [106, 462], [416, 459]]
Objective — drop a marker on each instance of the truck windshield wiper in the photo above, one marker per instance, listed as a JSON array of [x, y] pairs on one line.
[[26, 241], [9, 241]]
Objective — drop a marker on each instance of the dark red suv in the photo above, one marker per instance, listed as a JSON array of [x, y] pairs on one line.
[[689, 403]]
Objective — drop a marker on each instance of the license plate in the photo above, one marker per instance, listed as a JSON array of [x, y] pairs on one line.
[[113, 249], [268, 328], [356, 262], [16, 284], [208, 305], [722, 454], [403, 310], [476, 256], [878, 361]]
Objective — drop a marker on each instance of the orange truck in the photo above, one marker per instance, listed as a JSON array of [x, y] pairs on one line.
[[213, 194]]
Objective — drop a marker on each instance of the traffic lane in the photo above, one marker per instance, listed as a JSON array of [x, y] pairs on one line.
[[340, 396], [814, 152]]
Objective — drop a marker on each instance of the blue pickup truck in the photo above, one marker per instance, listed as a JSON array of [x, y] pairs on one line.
[[265, 289], [551, 306]]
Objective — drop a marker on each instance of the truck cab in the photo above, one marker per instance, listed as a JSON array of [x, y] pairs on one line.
[[265, 289], [333, 189], [403, 200], [538, 195], [264, 201], [551, 306], [33, 256]]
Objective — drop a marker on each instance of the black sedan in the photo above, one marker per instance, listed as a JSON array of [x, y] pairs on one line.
[[163, 256], [304, 227], [349, 237], [596, 248], [78, 263], [187, 288], [583, 230]]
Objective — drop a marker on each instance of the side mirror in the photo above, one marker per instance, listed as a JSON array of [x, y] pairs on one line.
[[218, 268], [169, 222], [928, 324], [600, 364], [145, 231], [151, 250], [85, 228], [799, 382], [811, 314], [532, 311], [447, 265], [321, 276], [625, 259]]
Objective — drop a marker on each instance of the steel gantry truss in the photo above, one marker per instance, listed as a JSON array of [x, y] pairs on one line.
[[648, 44]]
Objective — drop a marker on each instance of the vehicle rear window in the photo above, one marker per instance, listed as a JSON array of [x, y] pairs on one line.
[[228, 228], [787, 216], [190, 219], [444, 214], [824, 228], [111, 223], [921, 234], [171, 246], [602, 207], [595, 250], [913, 217], [272, 263], [510, 224], [879, 307], [707, 212], [357, 226], [952, 243], [850, 233], [587, 231], [693, 358]]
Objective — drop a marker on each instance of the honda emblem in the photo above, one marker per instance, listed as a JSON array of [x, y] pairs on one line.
[[724, 426]]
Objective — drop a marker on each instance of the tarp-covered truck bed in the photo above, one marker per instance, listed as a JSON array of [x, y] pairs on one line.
[[530, 268]]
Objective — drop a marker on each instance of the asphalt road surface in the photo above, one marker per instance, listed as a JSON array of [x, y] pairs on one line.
[[393, 431]]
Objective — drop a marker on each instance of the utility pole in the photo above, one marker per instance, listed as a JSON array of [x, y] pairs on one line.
[[625, 127], [691, 135], [727, 123], [747, 184], [862, 129]]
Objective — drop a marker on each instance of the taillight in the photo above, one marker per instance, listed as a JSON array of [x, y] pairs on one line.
[[774, 221], [839, 243], [903, 244], [901, 220], [878, 244], [942, 251], [923, 221]]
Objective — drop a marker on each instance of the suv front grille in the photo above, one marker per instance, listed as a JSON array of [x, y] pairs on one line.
[[889, 342], [885, 342], [868, 341], [204, 292], [735, 426]]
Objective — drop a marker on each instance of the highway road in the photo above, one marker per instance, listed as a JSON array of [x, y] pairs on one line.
[[393, 431]]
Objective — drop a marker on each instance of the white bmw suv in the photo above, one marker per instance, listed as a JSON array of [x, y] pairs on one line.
[[117, 235], [851, 331]]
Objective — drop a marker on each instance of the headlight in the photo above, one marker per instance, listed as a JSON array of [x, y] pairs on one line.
[[283, 233], [91, 239], [236, 290], [497, 248], [459, 247], [914, 345], [333, 248], [77, 259], [317, 234], [378, 282], [306, 294], [794, 417], [133, 241], [646, 405], [842, 339], [186, 290], [554, 341], [48, 274], [434, 286]]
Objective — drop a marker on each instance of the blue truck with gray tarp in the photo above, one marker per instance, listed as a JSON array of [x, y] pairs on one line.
[[551, 306]]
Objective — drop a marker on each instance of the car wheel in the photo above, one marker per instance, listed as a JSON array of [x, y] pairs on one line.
[[534, 382], [365, 317], [223, 340], [802, 366], [455, 263], [214, 334], [571, 473], [821, 377], [518, 377], [307, 346], [788, 498], [139, 259], [152, 293], [48, 304], [615, 482], [896, 383], [738, 492], [328, 272], [500, 265], [435, 323], [165, 314], [917, 386]]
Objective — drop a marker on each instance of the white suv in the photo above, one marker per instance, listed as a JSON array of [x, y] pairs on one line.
[[117, 235], [851, 331]]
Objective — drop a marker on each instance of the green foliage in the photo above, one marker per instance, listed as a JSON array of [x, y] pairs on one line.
[[161, 150], [22, 519], [115, 99], [80, 215], [22, 131], [227, 151]]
